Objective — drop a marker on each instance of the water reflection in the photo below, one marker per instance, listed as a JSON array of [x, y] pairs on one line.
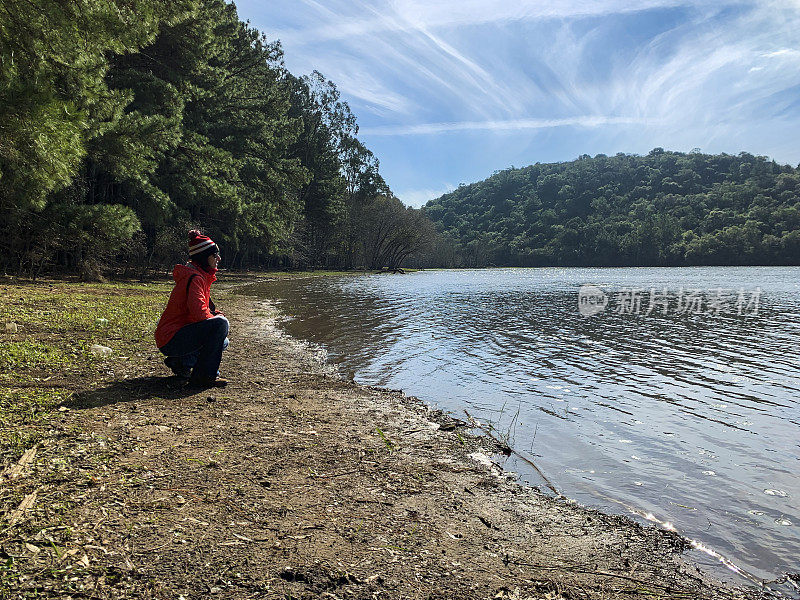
[[692, 418]]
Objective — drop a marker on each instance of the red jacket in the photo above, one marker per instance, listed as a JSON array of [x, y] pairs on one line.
[[184, 308]]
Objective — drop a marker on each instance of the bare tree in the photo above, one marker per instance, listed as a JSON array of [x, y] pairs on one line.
[[392, 232]]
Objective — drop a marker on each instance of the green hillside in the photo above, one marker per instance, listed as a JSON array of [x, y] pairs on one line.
[[666, 208]]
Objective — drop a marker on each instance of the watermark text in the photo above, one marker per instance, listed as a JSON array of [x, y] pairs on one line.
[[593, 300]]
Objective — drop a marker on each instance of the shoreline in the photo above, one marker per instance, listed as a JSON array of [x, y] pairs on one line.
[[495, 449], [293, 483], [333, 325]]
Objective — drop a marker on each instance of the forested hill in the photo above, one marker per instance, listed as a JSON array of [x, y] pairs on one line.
[[666, 208]]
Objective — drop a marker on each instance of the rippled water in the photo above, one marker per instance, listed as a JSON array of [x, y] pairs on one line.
[[693, 418]]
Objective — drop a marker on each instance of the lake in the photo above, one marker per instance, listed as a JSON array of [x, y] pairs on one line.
[[669, 394]]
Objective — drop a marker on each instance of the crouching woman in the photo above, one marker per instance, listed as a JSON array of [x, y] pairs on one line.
[[191, 333]]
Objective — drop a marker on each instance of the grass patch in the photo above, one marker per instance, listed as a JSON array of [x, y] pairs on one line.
[[46, 357], [31, 354], [94, 312]]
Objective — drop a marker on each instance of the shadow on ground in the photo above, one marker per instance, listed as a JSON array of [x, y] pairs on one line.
[[131, 390]]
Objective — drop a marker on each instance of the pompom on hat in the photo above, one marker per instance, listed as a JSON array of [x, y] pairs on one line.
[[199, 243]]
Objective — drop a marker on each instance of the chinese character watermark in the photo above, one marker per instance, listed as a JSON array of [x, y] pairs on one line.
[[593, 300]]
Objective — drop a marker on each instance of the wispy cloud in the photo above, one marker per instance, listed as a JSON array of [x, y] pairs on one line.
[[376, 97], [510, 125], [786, 52], [355, 19], [712, 75]]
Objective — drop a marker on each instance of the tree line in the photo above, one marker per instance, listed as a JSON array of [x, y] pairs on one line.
[[663, 209], [123, 123]]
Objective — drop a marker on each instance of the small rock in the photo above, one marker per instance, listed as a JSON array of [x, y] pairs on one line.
[[11, 327]]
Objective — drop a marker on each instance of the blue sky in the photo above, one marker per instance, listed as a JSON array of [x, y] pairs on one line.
[[449, 91]]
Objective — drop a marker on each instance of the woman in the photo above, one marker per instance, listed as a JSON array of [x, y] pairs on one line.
[[191, 332]]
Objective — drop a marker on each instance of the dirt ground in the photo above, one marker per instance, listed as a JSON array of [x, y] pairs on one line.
[[294, 484]]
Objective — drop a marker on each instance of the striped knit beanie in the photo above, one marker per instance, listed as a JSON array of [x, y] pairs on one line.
[[200, 244]]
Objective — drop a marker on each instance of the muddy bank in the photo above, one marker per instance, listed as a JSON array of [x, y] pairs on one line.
[[293, 484]]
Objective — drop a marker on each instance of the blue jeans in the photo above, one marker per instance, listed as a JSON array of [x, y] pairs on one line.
[[199, 346]]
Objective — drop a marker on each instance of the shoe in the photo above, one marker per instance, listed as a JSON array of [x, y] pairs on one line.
[[177, 367], [207, 382]]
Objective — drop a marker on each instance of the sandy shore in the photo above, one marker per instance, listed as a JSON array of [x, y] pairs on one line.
[[293, 484]]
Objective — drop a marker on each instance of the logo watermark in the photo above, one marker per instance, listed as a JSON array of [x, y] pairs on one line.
[[593, 300]]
